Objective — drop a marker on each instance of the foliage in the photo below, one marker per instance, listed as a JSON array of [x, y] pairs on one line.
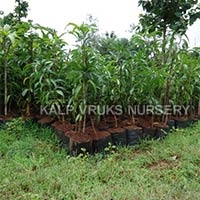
[[46, 80], [155, 66], [186, 79], [7, 37], [83, 71], [170, 19], [175, 15], [36, 58], [20, 12]]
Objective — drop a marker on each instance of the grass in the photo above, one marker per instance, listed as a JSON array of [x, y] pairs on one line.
[[33, 167]]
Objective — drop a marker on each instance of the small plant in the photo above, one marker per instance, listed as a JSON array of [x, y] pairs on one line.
[[84, 154], [15, 126], [110, 149]]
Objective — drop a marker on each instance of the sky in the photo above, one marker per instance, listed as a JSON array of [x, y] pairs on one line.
[[112, 15]]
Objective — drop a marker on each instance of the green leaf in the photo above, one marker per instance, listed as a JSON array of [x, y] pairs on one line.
[[60, 93], [25, 91]]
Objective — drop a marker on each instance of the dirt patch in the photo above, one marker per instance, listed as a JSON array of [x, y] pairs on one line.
[[160, 125], [116, 130], [46, 120], [6, 118], [163, 164], [132, 127], [145, 122], [78, 137], [62, 126]]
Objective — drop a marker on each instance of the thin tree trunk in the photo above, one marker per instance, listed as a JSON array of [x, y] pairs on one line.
[[84, 98], [164, 61], [166, 100], [28, 100], [93, 126], [164, 58], [5, 89], [5, 62], [84, 90]]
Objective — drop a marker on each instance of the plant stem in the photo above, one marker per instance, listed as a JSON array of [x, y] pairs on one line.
[[93, 127], [5, 89], [6, 48]]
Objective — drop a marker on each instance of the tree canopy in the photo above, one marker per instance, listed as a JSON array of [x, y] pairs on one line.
[[176, 15]]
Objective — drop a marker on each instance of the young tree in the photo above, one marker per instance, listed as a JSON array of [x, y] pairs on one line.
[[83, 73], [6, 39], [9, 26]]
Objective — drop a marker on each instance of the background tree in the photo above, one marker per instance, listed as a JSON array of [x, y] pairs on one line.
[[176, 15], [170, 18], [20, 12], [167, 15]]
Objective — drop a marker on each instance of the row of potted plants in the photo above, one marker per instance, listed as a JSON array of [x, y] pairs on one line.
[[97, 138]]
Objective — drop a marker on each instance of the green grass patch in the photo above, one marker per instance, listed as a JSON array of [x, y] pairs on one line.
[[34, 167]]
